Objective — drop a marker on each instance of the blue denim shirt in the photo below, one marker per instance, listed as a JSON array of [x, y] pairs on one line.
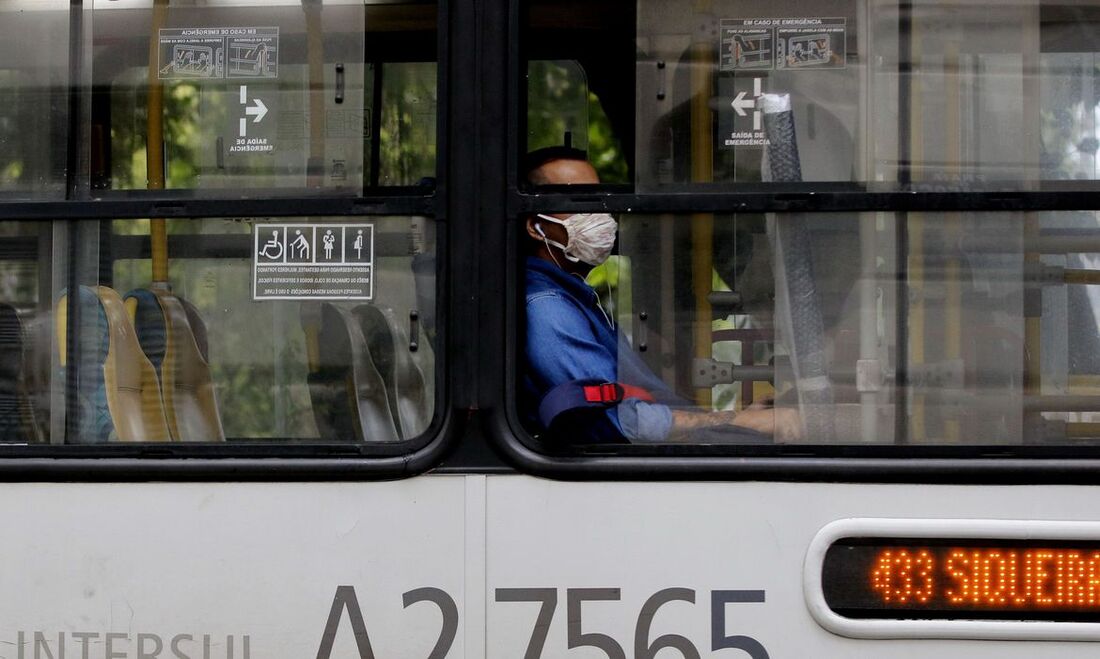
[[568, 338]]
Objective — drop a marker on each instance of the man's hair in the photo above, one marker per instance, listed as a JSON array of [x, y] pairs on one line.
[[536, 159]]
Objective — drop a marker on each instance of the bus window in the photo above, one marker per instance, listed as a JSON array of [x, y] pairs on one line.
[[317, 327], [931, 328], [987, 345], [334, 97], [302, 329], [34, 96], [315, 330], [922, 93]]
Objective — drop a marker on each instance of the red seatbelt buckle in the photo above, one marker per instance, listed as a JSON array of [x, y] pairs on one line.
[[607, 393]]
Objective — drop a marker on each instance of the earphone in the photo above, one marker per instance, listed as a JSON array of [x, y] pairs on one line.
[[538, 227], [599, 302]]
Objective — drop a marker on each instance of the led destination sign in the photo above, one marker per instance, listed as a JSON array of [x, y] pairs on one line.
[[950, 579]]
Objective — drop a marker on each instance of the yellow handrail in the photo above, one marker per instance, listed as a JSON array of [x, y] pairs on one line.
[[154, 143], [702, 224]]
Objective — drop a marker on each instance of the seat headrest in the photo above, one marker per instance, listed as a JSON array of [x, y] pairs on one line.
[[148, 319]]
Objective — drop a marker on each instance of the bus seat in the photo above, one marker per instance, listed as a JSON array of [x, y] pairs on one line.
[[198, 329], [405, 387], [166, 333], [17, 422], [148, 319], [120, 395], [349, 396], [95, 416]]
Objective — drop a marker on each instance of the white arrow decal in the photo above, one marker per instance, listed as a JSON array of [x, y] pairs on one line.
[[741, 104], [260, 110]]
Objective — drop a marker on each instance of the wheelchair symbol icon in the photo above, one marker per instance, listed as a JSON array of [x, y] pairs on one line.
[[273, 249]]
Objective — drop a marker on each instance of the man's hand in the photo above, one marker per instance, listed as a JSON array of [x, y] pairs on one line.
[[784, 424]]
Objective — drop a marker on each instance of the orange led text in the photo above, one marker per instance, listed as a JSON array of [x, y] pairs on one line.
[[988, 577]]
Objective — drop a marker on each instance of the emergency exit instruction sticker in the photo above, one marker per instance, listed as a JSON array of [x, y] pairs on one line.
[[218, 52], [313, 262], [793, 43]]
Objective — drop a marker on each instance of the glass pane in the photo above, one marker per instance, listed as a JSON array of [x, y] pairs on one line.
[[409, 108], [557, 105], [579, 81], [887, 328], [950, 94], [25, 329], [34, 98], [251, 95], [318, 329]]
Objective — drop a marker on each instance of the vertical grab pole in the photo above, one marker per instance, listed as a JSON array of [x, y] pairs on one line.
[[702, 171], [154, 145]]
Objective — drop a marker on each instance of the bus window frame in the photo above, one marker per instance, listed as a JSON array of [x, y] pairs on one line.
[[270, 459], [783, 462]]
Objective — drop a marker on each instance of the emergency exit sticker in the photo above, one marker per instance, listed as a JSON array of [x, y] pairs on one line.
[[810, 43], [792, 44], [218, 52], [741, 121], [747, 45], [313, 262]]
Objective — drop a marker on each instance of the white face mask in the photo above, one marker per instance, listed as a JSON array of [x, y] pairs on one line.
[[591, 236]]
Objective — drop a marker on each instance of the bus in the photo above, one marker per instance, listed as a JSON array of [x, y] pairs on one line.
[[264, 339]]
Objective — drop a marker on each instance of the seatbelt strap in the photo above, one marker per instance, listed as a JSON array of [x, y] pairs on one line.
[[577, 394], [613, 393]]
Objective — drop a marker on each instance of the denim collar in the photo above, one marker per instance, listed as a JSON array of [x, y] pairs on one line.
[[570, 283]]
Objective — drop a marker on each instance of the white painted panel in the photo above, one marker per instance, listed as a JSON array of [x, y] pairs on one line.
[[262, 560], [265, 561], [644, 537]]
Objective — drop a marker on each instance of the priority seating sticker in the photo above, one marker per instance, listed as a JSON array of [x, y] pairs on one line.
[[313, 262]]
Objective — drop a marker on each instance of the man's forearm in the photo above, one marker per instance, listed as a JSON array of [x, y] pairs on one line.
[[685, 421], [782, 423]]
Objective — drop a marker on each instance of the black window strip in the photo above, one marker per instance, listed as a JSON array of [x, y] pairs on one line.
[[974, 469], [218, 207], [107, 469], [73, 190], [806, 202]]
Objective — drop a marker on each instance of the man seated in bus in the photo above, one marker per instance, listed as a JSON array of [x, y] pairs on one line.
[[577, 366]]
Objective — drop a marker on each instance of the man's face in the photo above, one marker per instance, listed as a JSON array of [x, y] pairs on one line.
[[560, 172]]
